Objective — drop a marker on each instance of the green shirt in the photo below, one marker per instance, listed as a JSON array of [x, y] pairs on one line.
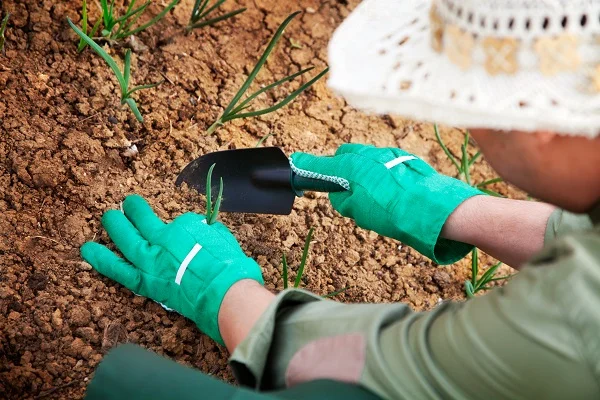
[[538, 337]]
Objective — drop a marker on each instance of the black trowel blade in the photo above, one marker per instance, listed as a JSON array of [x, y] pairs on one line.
[[242, 192]]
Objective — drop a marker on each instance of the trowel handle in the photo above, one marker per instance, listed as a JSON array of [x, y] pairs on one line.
[[301, 184]]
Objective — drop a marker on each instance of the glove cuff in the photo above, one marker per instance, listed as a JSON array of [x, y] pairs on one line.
[[208, 316], [437, 198]]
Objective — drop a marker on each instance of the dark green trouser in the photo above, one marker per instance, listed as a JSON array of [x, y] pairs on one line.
[[130, 372]]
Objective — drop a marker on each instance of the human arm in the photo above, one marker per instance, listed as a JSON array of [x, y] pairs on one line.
[[533, 338]]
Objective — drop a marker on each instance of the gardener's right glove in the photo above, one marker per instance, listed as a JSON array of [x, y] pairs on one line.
[[394, 194], [186, 265]]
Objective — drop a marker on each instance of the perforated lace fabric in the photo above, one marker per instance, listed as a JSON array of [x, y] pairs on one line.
[[382, 61]]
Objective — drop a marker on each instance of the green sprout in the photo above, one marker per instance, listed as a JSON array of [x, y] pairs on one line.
[[262, 139], [123, 78], [198, 19], [464, 173], [120, 27], [294, 44], [480, 284], [235, 110], [84, 27], [2, 29], [300, 272], [212, 212]]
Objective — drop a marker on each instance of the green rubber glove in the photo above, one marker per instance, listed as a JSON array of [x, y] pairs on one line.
[[186, 265], [394, 194]]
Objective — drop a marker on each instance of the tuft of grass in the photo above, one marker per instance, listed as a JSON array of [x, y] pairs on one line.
[[463, 167], [212, 212], [120, 27], [3, 25], [480, 284], [124, 77], [236, 109], [201, 14], [301, 267], [84, 27]]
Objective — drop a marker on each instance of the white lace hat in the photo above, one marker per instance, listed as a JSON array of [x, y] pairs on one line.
[[501, 64]]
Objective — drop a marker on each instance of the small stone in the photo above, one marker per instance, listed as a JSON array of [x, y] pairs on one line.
[[310, 10], [113, 120], [57, 320], [79, 316]]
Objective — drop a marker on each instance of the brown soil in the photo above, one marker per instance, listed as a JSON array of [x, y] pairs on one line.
[[63, 162]]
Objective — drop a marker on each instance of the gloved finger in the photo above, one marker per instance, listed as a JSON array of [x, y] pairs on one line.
[[352, 148], [305, 164], [129, 240], [110, 265], [139, 212]]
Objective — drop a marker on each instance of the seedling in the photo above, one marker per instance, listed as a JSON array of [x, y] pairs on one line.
[[464, 172], [117, 28], [212, 212], [235, 110], [123, 78], [84, 27], [2, 29], [475, 285], [200, 14], [302, 266]]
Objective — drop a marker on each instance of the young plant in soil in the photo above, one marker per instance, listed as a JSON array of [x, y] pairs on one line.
[[302, 266], [235, 109], [120, 27], [124, 77], [200, 14], [3, 25], [464, 173], [478, 284], [212, 212]]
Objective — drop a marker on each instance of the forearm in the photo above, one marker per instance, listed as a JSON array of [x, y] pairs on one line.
[[243, 304], [510, 230]]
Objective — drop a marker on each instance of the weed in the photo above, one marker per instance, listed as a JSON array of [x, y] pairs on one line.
[[200, 13], [212, 212], [235, 110], [123, 78], [262, 139], [2, 29], [475, 285], [300, 272], [464, 172]]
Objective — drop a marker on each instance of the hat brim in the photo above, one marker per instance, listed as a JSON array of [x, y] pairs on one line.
[[381, 61]]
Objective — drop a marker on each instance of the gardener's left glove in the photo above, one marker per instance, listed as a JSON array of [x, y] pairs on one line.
[[186, 265]]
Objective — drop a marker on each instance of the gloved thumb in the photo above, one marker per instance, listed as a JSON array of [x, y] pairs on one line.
[[305, 164]]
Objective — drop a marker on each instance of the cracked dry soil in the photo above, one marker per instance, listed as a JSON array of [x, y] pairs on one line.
[[63, 162]]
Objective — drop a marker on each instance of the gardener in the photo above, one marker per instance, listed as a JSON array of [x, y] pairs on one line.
[[525, 78]]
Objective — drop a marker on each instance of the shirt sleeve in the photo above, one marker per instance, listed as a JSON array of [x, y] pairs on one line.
[[536, 337], [562, 222]]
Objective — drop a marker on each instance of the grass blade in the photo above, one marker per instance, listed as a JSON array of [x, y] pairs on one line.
[[244, 103], [84, 27], [304, 257], [142, 87], [260, 63], [130, 14], [2, 29], [211, 8], [262, 139], [197, 10], [474, 266], [215, 212], [333, 294], [100, 51], [469, 289], [153, 20], [443, 146], [282, 103], [490, 192], [126, 72], [209, 193], [213, 21], [132, 104], [285, 271], [475, 158], [488, 275], [490, 182]]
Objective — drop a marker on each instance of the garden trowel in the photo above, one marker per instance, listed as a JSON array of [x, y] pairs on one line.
[[256, 180]]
